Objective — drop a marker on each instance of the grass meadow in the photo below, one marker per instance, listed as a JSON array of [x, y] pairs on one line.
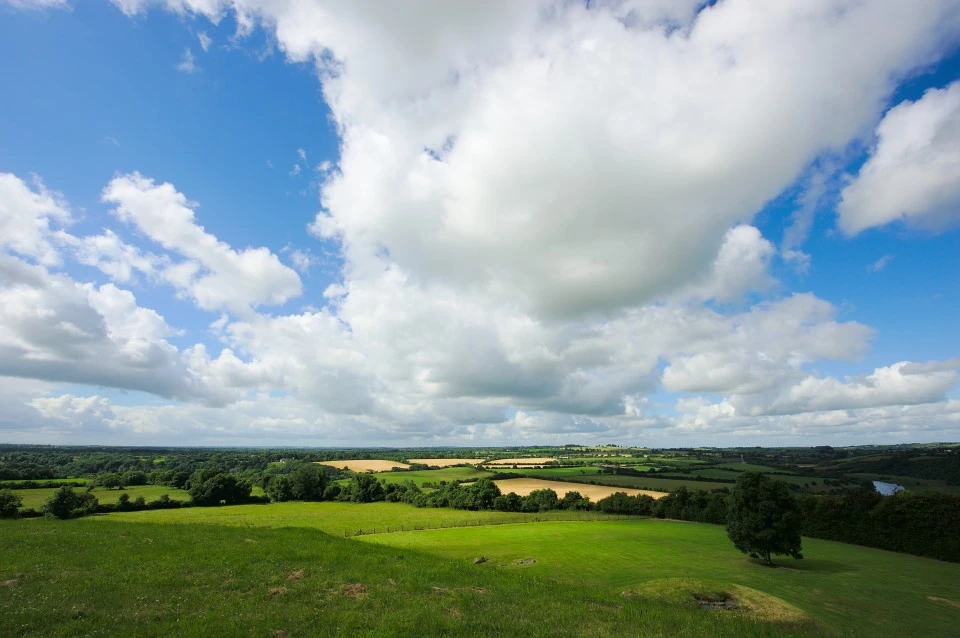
[[340, 519], [434, 476], [34, 498], [104, 577], [255, 570], [842, 589]]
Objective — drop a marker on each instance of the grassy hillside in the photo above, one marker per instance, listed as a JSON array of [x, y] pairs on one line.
[[105, 577], [846, 589], [340, 518]]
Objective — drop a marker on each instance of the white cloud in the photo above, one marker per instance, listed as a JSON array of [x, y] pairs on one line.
[[37, 4], [880, 264], [55, 329], [187, 64], [205, 41], [913, 173], [891, 385], [303, 260], [26, 216], [544, 211], [214, 275], [741, 266], [295, 170]]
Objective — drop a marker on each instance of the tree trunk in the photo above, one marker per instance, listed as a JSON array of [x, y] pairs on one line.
[[769, 562]]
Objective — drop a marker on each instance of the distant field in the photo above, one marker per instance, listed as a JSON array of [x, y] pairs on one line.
[[845, 589], [447, 462], [364, 465], [533, 460], [433, 476], [339, 518], [650, 482], [36, 497], [747, 467], [554, 471], [523, 486], [63, 480]]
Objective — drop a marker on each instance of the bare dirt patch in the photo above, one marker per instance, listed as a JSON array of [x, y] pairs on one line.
[[720, 600], [365, 465], [944, 601], [523, 486], [16, 581], [278, 591], [687, 592], [352, 590], [296, 575], [447, 462], [525, 561]]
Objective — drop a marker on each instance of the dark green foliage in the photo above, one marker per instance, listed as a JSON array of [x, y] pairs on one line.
[[620, 503], [574, 501], [541, 501], [9, 504], [925, 523], [763, 518], [363, 488], [219, 489], [684, 504], [67, 503]]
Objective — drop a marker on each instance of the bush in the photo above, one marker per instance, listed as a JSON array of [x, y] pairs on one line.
[[66, 503], [9, 504]]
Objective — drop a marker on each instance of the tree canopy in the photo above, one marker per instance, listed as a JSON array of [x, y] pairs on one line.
[[763, 518]]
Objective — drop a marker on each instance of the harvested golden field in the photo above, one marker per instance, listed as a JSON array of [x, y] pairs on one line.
[[534, 460], [365, 465], [523, 486], [447, 462]]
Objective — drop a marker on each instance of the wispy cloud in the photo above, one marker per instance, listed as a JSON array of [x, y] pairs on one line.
[[187, 63], [205, 41], [880, 264], [109, 139]]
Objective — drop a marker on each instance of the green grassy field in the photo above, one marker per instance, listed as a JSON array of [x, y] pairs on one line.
[[846, 589], [639, 482], [86, 578], [433, 476], [259, 569], [339, 518], [36, 497]]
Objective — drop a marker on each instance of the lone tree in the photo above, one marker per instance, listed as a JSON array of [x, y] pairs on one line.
[[763, 518]]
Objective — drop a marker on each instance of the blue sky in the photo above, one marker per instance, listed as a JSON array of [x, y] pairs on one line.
[[606, 248]]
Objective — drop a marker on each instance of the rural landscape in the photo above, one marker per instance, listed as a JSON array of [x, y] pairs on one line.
[[481, 318], [572, 540]]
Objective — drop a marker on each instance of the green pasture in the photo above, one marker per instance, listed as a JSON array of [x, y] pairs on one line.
[[105, 578], [420, 477], [34, 498], [638, 482], [339, 518], [844, 589]]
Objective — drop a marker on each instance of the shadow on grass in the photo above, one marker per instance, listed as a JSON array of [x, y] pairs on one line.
[[819, 566]]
